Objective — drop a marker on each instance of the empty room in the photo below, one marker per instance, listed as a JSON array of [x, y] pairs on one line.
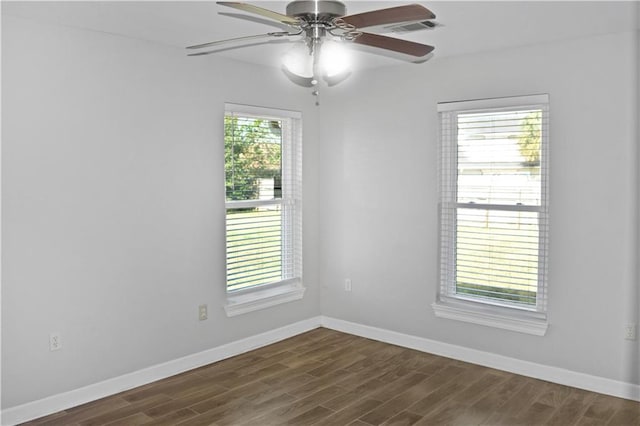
[[320, 213]]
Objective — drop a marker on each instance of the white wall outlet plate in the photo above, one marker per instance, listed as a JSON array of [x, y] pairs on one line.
[[202, 312], [631, 331], [55, 342]]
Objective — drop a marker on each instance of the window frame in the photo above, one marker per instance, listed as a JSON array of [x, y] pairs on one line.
[[261, 296], [499, 314]]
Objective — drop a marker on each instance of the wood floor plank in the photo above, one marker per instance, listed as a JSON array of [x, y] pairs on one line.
[[447, 414], [341, 401], [494, 400], [554, 395], [196, 388], [589, 421], [435, 366], [394, 388], [358, 422], [602, 408], [301, 406], [246, 412], [626, 415], [237, 379], [435, 399], [537, 414], [309, 417], [534, 414], [287, 381], [123, 412], [404, 418], [173, 418], [522, 398], [402, 401], [324, 377], [478, 389], [572, 409], [229, 397], [301, 362], [354, 380], [350, 412], [390, 375], [132, 420], [209, 416], [176, 404], [334, 378], [386, 372], [344, 360]]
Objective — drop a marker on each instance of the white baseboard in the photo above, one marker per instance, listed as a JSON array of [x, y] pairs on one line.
[[487, 359], [55, 403]]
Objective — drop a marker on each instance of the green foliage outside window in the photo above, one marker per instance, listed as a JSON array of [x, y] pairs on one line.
[[253, 151], [529, 140]]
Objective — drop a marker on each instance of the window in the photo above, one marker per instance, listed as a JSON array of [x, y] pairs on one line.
[[263, 186], [493, 212]]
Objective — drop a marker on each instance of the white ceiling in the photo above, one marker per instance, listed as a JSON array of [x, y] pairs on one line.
[[466, 26]]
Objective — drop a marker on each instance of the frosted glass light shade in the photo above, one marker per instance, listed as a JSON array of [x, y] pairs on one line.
[[334, 59], [298, 61]]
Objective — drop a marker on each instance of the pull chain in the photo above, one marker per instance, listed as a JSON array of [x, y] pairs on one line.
[[315, 81]]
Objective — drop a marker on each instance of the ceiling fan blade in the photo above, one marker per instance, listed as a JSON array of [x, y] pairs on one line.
[[394, 44], [411, 12], [231, 40], [262, 12]]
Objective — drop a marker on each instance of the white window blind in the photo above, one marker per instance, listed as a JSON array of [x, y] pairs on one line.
[[493, 201], [263, 183]]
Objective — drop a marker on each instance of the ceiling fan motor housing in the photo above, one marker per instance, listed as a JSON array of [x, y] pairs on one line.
[[323, 11]]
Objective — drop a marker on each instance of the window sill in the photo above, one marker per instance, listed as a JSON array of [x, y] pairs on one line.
[[242, 302], [492, 316]]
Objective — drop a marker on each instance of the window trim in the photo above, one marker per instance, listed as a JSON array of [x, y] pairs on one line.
[[261, 297], [494, 313], [241, 301]]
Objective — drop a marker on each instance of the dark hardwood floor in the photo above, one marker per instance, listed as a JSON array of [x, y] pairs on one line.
[[325, 377]]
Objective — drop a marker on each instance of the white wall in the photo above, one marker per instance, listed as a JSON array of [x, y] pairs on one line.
[[113, 214], [636, 365], [379, 196]]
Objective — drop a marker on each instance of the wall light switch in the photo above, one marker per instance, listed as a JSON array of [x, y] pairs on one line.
[[347, 284]]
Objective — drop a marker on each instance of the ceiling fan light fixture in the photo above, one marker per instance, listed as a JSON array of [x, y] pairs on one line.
[[334, 59], [298, 61]]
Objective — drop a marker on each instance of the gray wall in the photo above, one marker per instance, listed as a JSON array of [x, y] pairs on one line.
[[113, 214], [379, 195]]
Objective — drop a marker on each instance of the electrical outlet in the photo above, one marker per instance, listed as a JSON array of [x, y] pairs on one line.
[[55, 343], [202, 312], [347, 284], [630, 331]]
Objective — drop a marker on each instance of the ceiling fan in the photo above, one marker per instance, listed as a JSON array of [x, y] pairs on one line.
[[322, 22]]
